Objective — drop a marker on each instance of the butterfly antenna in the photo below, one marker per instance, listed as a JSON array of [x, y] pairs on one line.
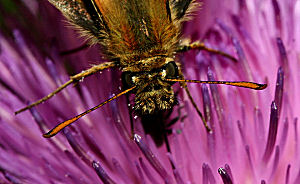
[[243, 84], [62, 125], [250, 85]]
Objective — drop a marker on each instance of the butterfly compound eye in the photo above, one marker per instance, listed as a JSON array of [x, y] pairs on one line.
[[127, 79], [171, 70]]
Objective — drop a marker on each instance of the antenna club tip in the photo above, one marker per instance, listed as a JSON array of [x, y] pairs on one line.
[[262, 86], [47, 135]]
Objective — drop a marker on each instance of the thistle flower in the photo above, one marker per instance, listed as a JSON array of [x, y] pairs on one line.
[[255, 133]]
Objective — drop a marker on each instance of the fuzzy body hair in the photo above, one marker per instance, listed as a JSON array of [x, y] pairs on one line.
[[142, 35]]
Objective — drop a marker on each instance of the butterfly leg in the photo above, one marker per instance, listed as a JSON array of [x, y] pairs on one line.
[[186, 46], [132, 132], [73, 79], [183, 84]]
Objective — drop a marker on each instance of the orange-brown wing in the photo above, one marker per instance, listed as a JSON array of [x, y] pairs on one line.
[[83, 15], [182, 8], [138, 26], [134, 27]]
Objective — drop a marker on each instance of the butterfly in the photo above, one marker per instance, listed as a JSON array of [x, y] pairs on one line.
[[141, 38]]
